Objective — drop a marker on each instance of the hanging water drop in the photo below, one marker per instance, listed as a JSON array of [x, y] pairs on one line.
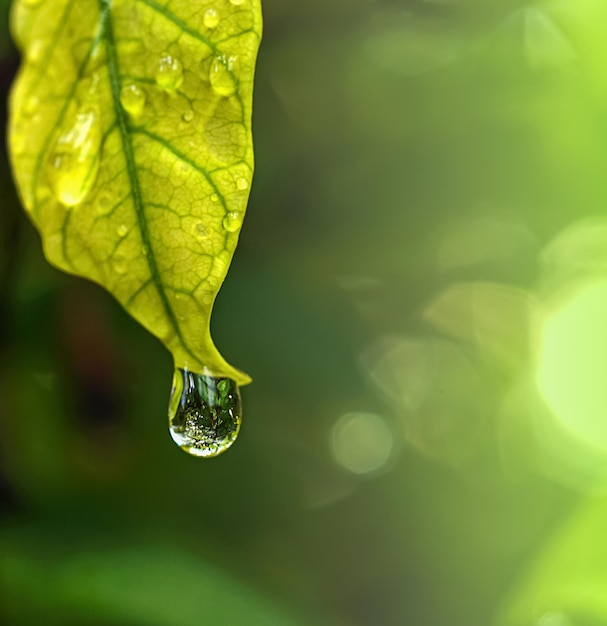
[[169, 73], [211, 18], [132, 99], [221, 76], [205, 413], [74, 161], [232, 221]]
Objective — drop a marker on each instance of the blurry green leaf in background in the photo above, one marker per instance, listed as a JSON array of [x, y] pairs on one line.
[[426, 228]]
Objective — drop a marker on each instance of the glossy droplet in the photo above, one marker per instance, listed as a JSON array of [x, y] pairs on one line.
[[221, 77], [74, 159], [214, 198], [205, 413], [242, 184], [122, 230], [132, 99], [169, 73], [211, 18], [237, 3], [232, 221], [188, 116]]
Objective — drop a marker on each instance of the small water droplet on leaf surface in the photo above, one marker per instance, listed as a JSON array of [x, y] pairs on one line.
[[132, 99], [169, 73], [232, 221], [211, 18], [221, 76], [74, 161], [205, 413]]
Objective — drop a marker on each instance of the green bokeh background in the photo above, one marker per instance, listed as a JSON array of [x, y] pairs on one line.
[[430, 188]]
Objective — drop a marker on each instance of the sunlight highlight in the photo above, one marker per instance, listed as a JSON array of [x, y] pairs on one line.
[[572, 374]]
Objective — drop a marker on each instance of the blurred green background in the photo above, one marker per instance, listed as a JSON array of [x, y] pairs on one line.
[[420, 294]]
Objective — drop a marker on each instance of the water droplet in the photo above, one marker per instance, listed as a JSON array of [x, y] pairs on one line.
[[122, 230], [214, 198], [242, 184], [119, 264], [74, 160], [132, 98], [169, 73], [211, 18], [188, 116], [221, 76], [232, 221], [205, 413], [237, 3]]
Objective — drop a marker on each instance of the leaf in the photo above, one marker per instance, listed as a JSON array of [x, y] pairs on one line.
[[569, 578], [130, 139], [151, 584]]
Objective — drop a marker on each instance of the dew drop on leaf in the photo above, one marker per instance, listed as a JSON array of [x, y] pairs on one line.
[[122, 230], [132, 98], [205, 413], [221, 77], [169, 73], [242, 184], [187, 116], [74, 161], [232, 221], [211, 18]]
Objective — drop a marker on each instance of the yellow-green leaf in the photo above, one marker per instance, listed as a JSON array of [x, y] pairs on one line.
[[130, 138]]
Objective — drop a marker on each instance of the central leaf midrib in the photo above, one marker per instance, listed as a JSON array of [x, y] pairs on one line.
[[127, 145]]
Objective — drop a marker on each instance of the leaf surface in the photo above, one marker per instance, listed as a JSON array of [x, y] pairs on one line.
[[130, 139]]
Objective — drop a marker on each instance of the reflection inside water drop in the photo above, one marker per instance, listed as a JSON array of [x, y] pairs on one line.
[[205, 413]]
